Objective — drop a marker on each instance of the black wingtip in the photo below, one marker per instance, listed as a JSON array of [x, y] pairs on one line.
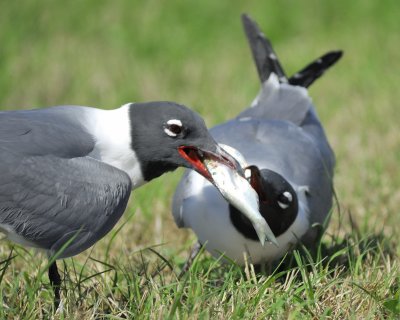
[[264, 56], [315, 69], [267, 62], [332, 57], [245, 18]]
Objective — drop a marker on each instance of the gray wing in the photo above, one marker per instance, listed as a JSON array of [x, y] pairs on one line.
[[55, 131], [279, 101], [50, 190]]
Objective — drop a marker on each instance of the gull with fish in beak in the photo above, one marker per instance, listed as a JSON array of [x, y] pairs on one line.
[[67, 172], [238, 192]]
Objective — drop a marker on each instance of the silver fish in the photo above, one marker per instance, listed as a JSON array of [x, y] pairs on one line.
[[239, 193]]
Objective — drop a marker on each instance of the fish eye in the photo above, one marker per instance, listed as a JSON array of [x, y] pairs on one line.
[[285, 199], [173, 127]]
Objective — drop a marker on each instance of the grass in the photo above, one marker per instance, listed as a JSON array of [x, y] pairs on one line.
[[106, 54]]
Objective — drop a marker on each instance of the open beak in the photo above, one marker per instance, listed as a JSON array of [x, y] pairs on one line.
[[197, 158], [226, 173]]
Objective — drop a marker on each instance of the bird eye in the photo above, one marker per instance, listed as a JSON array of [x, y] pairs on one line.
[[173, 127], [285, 199]]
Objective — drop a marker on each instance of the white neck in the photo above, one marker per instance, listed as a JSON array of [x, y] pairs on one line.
[[112, 132]]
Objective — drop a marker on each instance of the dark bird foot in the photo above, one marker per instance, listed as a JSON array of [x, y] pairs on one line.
[[55, 281], [193, 254]]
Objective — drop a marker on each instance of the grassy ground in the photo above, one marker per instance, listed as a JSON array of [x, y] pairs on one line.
[[105, 53]]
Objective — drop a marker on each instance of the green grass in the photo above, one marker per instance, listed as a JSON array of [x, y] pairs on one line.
[[108, 53]]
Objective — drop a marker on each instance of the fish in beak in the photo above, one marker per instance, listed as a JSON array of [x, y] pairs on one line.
[[225, 170], [197, 158]]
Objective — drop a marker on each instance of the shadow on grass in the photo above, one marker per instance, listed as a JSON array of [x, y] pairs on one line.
[[340, 253], [343, 253]]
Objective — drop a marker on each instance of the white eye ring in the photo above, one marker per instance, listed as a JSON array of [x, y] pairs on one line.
[[283, 205], [170, 124], [289, 198], [288, 195]]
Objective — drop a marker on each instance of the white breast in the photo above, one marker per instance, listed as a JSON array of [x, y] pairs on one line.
[[207, 214]]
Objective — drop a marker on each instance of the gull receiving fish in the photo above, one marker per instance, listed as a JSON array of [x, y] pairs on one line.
[[239, 193], [282, 148]]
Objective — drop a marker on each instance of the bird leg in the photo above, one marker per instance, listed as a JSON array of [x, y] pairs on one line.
[[193, 254], [55, 281]]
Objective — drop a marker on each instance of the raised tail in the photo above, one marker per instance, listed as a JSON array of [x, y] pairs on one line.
[[267, 61]]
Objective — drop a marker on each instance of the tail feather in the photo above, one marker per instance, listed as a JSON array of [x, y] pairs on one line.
[[264, 55], [315, 69], [267, 61]]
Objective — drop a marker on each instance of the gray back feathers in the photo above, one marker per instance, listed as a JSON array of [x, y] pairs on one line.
[[50, 189]]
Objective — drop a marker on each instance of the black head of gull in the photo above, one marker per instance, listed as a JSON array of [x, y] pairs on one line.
[[166, 136], [291, 165], [278, 203]]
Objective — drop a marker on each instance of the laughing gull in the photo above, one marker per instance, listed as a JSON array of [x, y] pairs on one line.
[[66, 172], [287, 159]]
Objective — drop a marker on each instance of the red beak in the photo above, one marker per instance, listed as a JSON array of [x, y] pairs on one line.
[[195, 157]]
